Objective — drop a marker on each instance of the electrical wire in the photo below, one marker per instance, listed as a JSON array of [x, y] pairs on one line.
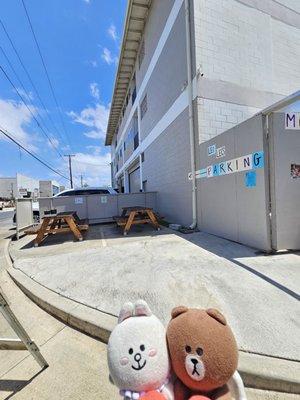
[[31, 82], [46, 71], [5, 133], [28, 108], [25, 91]]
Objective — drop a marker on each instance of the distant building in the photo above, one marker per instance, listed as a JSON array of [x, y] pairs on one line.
[[18, 186], [182, 81], [49, 188]]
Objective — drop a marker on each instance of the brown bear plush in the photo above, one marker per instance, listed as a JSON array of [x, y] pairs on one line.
[[204, 355]]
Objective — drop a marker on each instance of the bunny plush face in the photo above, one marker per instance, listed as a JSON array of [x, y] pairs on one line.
[[137, 350]]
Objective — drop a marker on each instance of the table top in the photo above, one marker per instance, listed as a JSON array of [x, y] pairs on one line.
[[61, 215], [136, 208]]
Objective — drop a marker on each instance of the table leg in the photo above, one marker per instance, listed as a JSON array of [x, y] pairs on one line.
[[73, 227], [129, 222], [153, 219], [41, 232]]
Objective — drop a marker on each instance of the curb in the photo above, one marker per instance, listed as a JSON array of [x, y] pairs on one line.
[[257, 371]]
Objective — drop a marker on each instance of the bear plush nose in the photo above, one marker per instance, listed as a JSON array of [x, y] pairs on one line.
[[137, 357], [194, 361]]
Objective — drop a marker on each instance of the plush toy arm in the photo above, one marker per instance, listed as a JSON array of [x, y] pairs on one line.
[[236, 387], [168, 391]]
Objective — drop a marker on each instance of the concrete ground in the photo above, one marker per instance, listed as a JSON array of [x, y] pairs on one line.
[[78, 368], [77, 363], [256, 292]]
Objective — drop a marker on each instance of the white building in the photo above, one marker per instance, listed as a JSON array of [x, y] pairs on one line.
[[189, 70], [18, 186]]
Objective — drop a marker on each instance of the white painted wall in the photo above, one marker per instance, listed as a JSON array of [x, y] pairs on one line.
[[254, 53]]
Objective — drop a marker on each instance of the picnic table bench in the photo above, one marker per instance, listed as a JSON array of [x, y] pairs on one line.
[[59, 223], [134, 216]]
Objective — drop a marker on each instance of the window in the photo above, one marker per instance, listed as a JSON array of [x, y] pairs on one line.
[[142, 52], [143, 157], [144, 106], [133, 95], [124, 145], [136, 141]]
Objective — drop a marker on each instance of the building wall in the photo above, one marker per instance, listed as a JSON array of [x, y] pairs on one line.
[[168, 78], [7, 187], [163, 130], [25, 182], [249, 55], [165, 169]]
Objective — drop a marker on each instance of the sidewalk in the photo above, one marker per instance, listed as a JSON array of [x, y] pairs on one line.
[[257, 293], [77, 363]]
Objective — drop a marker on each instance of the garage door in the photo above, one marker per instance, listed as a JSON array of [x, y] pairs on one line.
[[134, 181]]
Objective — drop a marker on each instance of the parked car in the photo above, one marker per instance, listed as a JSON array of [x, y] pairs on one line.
[[86, 191]]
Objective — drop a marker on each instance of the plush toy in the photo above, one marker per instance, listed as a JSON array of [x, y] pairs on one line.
[[204, 356], [138, 355]]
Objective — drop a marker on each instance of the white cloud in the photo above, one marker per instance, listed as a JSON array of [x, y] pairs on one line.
[[108, 57], [93, 166], [53, 142], [15, 117], [94, 90], [26, 95], [95, 118], [112, 31], [94, 134]]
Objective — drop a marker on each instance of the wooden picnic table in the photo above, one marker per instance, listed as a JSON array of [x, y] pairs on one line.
[[59, 223], [136, 215]]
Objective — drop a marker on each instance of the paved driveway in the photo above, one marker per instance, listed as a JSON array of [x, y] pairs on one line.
[[256, 292]]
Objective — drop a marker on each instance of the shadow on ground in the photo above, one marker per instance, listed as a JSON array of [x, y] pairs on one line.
[[14, 386]]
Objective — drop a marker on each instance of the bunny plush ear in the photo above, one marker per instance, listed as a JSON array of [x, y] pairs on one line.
[[141, 308], [126, 312]]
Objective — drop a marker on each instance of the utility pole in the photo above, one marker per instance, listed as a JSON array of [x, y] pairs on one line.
[[70, 167], [81, 180]]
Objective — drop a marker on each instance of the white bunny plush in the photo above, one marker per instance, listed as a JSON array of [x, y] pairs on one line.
[[137, 354]]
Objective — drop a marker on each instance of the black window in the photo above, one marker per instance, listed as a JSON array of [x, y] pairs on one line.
[[144, 106], [136, 141], [69, 193], [133, 95]]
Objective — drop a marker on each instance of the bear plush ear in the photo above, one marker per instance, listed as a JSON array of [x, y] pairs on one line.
[[141, 309], [212, 312], [126, 312], [178, 310]]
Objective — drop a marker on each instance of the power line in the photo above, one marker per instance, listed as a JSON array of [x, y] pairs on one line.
[[32, 154], [33, 116], [20, 82], [31, 81], [45, 69]]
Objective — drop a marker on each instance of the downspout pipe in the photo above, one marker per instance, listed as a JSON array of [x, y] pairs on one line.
[[191, 111]]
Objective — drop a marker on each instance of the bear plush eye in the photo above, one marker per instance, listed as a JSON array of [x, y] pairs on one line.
[[142, 347], [188, 349], [130, 351], [199, 351]]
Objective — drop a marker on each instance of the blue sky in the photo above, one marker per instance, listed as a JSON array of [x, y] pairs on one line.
[[80, 43]]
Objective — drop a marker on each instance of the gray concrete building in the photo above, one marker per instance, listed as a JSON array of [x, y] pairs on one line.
[[18, 186], [49, 188], [188, 71]]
